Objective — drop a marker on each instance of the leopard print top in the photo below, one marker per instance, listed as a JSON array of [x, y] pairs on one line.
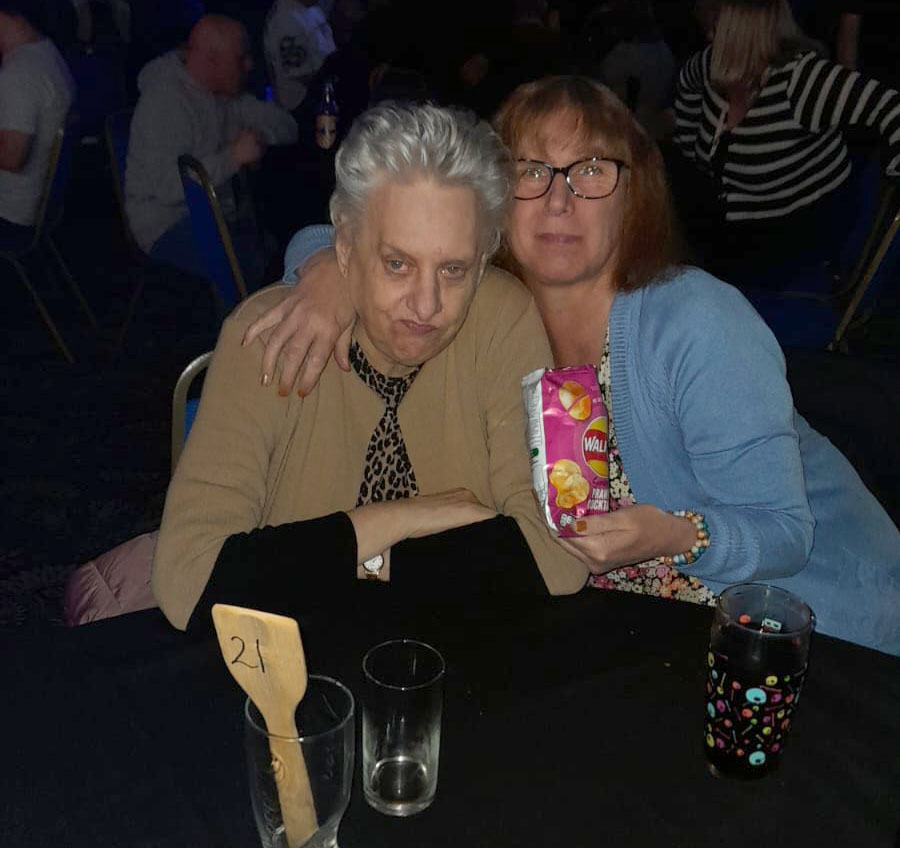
[[388, 473]]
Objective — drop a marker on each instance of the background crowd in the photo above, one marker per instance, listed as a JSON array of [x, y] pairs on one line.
[[239, 86]]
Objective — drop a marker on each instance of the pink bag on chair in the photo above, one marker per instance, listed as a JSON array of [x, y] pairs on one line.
[[112, 584]]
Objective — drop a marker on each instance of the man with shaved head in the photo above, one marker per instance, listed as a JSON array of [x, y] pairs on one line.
[[193, 101]]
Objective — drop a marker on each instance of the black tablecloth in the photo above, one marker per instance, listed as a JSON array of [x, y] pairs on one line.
[[571, 721]]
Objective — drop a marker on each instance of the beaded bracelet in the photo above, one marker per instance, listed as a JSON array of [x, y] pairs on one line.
[[701, 544]]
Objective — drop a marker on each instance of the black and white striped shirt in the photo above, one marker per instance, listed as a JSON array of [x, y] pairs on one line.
[[788, 150]]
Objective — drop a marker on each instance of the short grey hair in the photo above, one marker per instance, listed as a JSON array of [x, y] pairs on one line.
[[407, 141]]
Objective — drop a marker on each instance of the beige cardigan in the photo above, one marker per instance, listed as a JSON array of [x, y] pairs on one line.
[[254, 458]]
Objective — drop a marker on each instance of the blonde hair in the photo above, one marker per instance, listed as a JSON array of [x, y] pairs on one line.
[[751, 36]]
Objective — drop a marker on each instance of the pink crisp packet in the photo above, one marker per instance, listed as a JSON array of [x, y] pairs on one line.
[[567, 436]]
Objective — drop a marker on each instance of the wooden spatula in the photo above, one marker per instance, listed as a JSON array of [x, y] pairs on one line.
[[264, 654]]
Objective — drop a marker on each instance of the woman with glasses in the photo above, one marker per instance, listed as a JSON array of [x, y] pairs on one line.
[[714, 477]]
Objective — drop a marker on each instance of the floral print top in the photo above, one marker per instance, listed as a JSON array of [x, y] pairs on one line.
[[653, 577]]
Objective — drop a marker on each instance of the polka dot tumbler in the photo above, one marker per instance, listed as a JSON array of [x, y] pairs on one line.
[[756, 664]]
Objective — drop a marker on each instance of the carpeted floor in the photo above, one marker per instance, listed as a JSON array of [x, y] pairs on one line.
[[87, 445]]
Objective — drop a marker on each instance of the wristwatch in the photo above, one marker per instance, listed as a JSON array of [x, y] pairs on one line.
[[372, 567]]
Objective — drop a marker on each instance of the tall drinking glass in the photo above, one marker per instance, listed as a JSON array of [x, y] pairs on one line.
[[758, 653], [401, 725], [325, 728]]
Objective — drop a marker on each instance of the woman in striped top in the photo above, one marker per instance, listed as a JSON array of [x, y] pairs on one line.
[[763, 114]]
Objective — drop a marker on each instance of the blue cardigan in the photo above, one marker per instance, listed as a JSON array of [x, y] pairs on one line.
[[705, 420]]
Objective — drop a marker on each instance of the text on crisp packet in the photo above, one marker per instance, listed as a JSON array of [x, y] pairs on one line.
[[567, 430]]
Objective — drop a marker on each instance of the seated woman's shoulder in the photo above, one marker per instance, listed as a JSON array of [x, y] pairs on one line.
[[689, 280], [499, 286], [694, 295]]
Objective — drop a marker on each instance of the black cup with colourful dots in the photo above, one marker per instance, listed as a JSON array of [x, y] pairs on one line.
[[756, 665]]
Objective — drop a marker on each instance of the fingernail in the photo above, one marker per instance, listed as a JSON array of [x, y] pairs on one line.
[[580, 525], [243, 342], [283, 392], [265, 379], [301, 394]]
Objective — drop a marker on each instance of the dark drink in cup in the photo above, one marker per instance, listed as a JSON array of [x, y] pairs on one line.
[[756, 665]]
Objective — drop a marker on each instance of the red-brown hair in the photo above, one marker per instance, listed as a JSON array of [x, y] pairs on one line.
[[650, 245]]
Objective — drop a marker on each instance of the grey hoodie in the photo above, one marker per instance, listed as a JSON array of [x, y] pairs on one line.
[[176, 115]]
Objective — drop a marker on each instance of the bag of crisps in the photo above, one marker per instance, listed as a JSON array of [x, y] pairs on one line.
[[567, 426]]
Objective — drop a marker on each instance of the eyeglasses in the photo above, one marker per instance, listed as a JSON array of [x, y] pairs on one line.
[[591, 179]]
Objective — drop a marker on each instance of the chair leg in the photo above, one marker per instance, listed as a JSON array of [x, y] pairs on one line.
[[43, 310], [864, 283], [76, 289], [875, 230]]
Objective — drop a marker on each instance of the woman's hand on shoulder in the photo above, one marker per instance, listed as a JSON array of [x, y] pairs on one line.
[[313, 321], [630, 534]]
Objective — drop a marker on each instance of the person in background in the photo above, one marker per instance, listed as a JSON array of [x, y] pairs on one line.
[[193, 102], [762, 117], [36, 93], [253, 17], [297, 40]]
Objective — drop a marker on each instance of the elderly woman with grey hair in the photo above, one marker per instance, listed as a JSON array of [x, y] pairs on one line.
[[410, 466]]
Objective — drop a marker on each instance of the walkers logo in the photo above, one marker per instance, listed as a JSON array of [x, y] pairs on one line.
[[594, 447]]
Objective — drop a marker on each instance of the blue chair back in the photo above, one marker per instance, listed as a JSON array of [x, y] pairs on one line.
[[190, 413], [184, 408], [211, 234]]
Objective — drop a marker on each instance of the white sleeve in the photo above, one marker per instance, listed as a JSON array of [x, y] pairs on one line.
[[19, 103]]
